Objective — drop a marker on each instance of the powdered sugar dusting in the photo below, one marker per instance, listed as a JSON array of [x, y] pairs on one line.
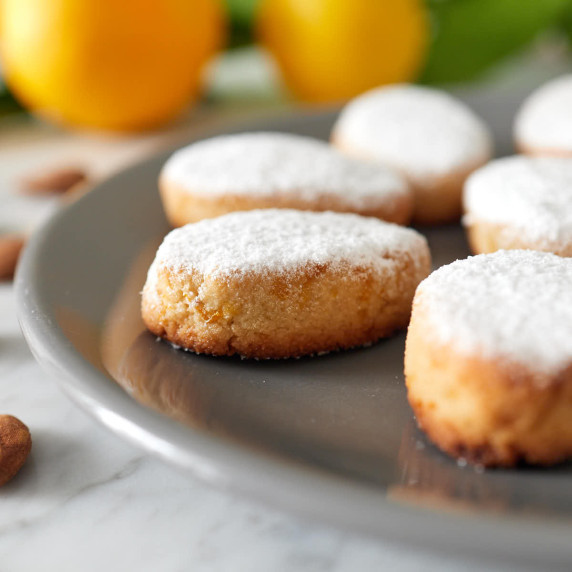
[[282, 240], [514, 305], [533, 195], [545, 119], [422, 132], [271, 163]]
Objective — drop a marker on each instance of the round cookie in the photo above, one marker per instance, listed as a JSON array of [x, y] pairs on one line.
[[543, 125], [277, 170], [280, 283], [433, 139], [488, 358], [520, 202]]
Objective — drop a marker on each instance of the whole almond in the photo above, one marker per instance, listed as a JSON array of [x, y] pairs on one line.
[[10, 248], [15, 446], [58, 180]]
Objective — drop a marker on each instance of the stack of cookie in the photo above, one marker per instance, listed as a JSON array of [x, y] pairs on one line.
[[488, 358], [265, 275], [291, 246]]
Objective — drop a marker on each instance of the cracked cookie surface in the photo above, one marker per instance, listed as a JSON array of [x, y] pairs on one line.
[[280, 283]]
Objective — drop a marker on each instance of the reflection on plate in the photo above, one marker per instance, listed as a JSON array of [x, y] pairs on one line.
[[330, 438], [344, 412]]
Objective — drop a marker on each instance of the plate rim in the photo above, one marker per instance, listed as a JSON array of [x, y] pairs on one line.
[[306, 491]]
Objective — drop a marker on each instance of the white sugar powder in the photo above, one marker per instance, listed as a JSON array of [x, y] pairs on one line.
[[420, 131], [515, 305], [273, 163], [281, 240], [545, 119], [531, 195]]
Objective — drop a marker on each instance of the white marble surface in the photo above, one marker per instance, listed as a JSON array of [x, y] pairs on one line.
[[85, 501]]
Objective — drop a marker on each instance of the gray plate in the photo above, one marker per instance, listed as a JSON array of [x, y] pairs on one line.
[[331, 438]]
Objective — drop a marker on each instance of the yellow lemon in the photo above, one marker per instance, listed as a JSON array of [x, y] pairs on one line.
[[108, 64], [331, 50]]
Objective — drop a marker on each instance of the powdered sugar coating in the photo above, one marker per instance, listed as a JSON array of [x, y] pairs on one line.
[[544, 121], [422, 132], [530, 195], [283, 240], [514, 305], [270, 163]]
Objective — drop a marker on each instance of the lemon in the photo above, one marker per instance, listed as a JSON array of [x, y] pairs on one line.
[[332, 50], [108, 64]]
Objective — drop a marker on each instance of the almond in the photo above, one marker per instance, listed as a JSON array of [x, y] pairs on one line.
[[10, 248], [15, 446], [58, 180]]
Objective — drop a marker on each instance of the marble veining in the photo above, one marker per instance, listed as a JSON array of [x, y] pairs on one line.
[[87, 501]]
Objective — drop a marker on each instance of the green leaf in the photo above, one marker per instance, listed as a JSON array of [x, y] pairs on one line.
[[567, 21], [7, 102], [242, 11], [241, 14], [472, 35]]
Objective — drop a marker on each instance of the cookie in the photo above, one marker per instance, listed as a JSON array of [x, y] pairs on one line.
[[543, 125], [520, 203], [488, 358], [277, 170], [281, 283], [433, 139]]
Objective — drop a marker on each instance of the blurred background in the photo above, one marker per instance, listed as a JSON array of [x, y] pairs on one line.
[[88, 86], [140, 65]]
